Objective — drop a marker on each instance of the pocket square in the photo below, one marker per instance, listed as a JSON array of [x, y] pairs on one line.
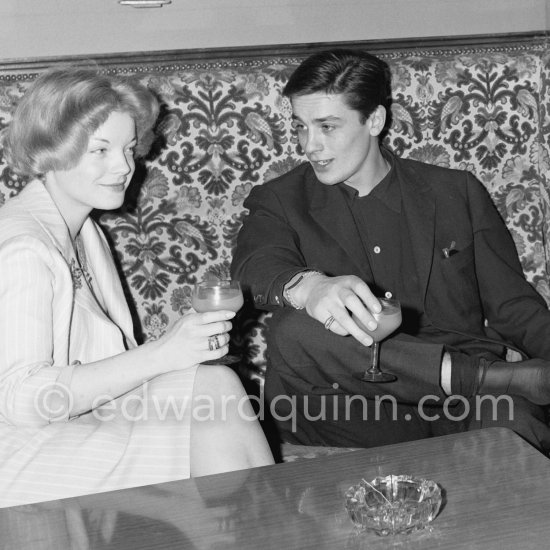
[[450, 250]]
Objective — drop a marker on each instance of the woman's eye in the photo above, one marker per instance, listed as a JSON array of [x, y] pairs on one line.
[[99, 151]]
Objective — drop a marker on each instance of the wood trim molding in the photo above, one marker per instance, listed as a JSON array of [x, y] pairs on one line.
[[258, 55]]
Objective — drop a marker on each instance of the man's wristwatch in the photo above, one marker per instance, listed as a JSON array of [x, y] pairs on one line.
[[286, 292]]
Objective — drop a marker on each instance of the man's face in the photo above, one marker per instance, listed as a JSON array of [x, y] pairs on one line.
[[340, 147]]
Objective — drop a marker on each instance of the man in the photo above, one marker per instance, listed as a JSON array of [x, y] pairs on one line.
[[356, 222]]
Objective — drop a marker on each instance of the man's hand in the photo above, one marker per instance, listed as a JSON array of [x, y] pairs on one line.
[[340, 297]]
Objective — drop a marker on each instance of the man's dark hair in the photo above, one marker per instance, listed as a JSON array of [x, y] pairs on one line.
[[365, 80]]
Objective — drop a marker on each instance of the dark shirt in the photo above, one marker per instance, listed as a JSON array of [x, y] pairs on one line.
[[382, 226], [384, 235]]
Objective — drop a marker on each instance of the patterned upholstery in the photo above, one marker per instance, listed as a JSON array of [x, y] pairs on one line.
[[225, 127]]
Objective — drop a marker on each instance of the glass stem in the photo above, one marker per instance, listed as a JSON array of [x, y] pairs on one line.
[[374, 357]]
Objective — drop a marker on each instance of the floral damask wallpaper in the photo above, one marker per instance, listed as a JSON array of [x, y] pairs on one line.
[[225, 127]]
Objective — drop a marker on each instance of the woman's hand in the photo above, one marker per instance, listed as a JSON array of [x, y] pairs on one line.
[[195, 338]]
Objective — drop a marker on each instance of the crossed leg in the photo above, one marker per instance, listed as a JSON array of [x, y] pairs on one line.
[[226, 435]]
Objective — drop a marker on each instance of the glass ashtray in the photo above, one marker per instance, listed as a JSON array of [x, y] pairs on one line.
[[393, 504]]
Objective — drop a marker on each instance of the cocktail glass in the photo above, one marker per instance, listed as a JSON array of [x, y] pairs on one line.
[[388, 320], [214, 295]]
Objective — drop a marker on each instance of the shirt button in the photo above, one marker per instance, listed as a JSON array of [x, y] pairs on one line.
[[388, 295], [376, 250]]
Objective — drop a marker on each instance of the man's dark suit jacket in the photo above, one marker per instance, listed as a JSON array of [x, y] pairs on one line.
[[296, 222]]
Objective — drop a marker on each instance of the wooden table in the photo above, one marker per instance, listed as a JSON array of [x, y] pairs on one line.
[[497, 495]]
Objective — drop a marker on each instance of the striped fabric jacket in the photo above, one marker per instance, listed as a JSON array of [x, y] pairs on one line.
[[45, 326], [52, 315]]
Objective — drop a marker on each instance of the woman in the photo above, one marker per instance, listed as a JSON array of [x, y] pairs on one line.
[[82, 408]]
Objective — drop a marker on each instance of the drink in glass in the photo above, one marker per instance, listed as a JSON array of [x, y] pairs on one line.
[[388, 320], [213, 295]]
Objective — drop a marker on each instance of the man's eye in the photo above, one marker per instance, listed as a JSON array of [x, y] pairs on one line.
[[298, 126], [327, 128]]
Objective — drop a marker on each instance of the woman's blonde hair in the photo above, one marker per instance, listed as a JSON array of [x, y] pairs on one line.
[[62, 108]]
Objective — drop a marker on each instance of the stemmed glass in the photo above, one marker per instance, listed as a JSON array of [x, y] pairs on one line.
[[388, 320], [214, 295]]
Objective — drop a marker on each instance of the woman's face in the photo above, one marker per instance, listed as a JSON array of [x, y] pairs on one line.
[[101, 176]]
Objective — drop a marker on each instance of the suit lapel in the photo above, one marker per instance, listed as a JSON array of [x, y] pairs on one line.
[[41, 206], [419, 211], [44, 210], [106, 279], [331, 211]]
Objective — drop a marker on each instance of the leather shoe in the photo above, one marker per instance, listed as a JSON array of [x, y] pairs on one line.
[[530, 379]]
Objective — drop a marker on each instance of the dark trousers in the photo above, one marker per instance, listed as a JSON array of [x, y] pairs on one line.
[[315, 397]]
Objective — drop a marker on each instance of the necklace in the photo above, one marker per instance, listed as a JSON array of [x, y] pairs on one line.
[[79, 265]]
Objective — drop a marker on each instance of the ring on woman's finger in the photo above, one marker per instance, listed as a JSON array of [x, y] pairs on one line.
[[329, 321], [213, 342]]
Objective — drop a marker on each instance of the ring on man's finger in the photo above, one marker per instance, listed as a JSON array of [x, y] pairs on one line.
[[213, 343], [329, 321]]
